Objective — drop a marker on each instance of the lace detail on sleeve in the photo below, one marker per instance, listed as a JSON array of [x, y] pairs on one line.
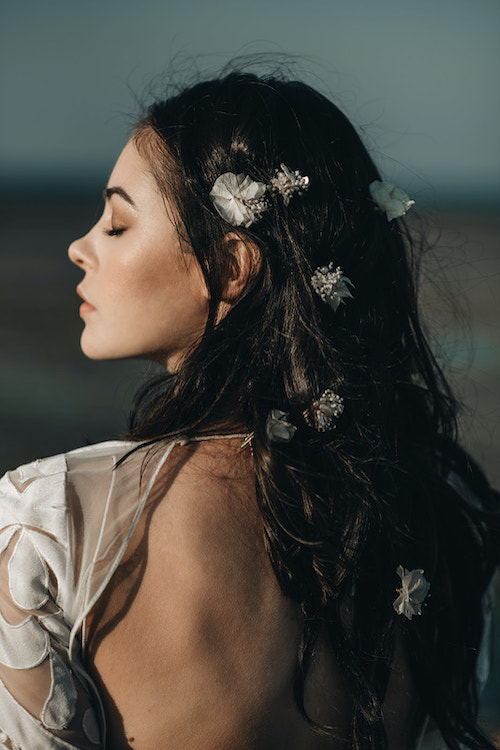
[[44, 700]]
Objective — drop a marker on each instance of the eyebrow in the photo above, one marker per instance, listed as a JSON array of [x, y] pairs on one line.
[[108, 192]]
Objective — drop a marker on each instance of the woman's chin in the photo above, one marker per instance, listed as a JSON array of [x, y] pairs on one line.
[[99, 351]]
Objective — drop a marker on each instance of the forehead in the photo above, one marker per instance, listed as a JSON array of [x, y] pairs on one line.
[[131, 172]]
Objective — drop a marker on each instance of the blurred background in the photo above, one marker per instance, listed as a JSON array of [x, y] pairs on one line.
[[419, 80]]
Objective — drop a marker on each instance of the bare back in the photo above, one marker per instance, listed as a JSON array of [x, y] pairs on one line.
[[193, 644]]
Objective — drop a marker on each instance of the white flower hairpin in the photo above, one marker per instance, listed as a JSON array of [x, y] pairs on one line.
[[241, 201], [288, 182], [324, 411], [413, 591], [238, 199], [394, 201], [278, 428], [331, 285]]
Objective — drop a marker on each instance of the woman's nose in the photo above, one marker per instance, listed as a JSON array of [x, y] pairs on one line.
[[79, 254]]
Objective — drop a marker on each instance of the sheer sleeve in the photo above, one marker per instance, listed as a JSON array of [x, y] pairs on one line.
[[44, 701], [65, 523]]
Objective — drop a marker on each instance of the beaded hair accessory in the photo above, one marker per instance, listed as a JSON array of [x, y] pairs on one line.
[[323, 412], [321, 416], [241, 201], [331, 285], [287, 182]]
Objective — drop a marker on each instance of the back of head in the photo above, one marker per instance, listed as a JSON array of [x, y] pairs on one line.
[[279, 330], [345, 505]]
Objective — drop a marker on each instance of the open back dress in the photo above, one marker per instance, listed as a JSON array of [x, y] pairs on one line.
[[65, 523]]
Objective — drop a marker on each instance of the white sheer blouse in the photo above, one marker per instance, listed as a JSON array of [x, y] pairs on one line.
[[65, 523]]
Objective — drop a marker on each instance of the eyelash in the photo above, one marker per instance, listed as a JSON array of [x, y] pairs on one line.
[[114, 232]]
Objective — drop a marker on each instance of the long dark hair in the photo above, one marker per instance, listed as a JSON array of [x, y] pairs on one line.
[[343, 508]]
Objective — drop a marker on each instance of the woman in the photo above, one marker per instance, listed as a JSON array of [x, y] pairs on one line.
[[247, 570]]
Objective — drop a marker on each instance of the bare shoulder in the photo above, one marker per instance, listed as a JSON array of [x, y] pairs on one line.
[[200, 537], [207, 515], [214, 477]]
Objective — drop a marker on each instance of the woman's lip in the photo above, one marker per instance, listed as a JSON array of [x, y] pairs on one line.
[[85, 307]]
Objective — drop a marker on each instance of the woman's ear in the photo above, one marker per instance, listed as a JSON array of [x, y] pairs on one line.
[[245, 262]]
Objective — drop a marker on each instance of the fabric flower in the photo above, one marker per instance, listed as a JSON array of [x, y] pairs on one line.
[[412, 593], [238, 199], [394, 201], [331, 285], [278, 428]]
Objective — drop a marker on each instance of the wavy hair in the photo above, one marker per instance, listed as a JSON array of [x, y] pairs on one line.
[[341, 509]]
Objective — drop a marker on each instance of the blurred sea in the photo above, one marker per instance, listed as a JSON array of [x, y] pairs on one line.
[[52, 399]]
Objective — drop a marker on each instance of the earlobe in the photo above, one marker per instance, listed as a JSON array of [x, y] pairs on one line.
[[245, 262]]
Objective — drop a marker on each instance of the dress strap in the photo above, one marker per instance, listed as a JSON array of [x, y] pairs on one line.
[[245, 437]]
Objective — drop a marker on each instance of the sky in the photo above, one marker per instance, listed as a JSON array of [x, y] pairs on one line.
[[420, 80]]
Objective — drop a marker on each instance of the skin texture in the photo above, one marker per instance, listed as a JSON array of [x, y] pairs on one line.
[[202, 645], [147, 294]]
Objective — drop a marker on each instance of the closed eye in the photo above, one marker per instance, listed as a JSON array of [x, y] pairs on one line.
[[113, 232]]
